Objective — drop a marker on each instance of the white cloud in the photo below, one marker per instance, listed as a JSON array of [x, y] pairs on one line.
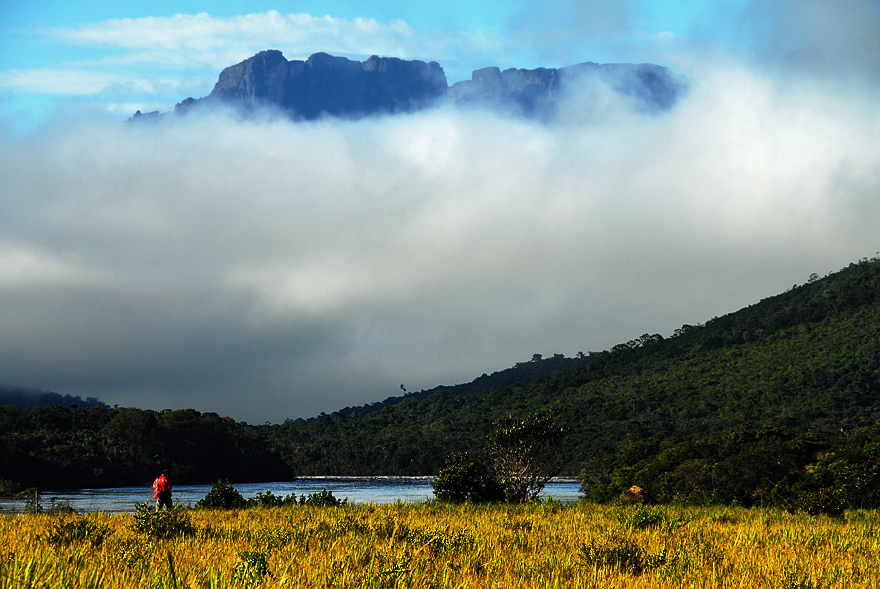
[[202, 40], [24, 269], [268, 269], [64, 81], [836, 39]]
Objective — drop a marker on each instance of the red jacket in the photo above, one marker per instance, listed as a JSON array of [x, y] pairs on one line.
[[161, 484]]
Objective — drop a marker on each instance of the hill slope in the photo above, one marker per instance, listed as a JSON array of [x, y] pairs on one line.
[[522, 371], [810, 355]]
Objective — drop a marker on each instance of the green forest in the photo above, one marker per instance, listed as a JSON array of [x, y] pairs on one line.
[[55, 446], [776, 402]]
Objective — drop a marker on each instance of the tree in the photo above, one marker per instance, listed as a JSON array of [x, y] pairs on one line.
[[465, 478], [525, 453]]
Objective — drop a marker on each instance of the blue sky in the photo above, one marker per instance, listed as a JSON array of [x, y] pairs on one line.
[[267, 269]]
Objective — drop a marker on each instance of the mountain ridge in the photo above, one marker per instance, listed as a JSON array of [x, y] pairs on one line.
[[326, 85]]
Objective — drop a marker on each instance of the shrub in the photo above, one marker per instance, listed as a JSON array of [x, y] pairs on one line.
[[59, 507], [642, 517], [252, 570], [269, 499], [324, 498], [222, 496], [621, 554], [8, 488], [31, 498], [816, 502], [465, 478], [77, 530], [168, 523]]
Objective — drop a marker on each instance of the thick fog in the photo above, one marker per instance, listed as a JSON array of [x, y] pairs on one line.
[[266, 269]]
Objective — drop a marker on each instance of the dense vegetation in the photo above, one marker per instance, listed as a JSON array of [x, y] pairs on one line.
[[438, 545], [800, 469], [224, 496], [685, 414], [27, 398], [809, 357], [64, 447], [522, 371]]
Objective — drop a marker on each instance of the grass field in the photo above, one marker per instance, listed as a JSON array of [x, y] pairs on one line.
[[437, 545]]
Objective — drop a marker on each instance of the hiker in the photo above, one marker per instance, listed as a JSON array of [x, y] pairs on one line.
[[162, 491]]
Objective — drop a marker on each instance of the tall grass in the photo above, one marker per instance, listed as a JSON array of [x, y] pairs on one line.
[[435, 545]]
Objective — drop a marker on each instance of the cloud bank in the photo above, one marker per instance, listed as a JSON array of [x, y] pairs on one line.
[[827, 39], [265, 269], [202, 40]]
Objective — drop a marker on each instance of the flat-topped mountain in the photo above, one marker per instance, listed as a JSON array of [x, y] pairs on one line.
[[324, 85], [328, 85]]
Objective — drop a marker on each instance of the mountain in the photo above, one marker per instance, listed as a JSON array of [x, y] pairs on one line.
[[324, 85], [650, 87], [327, 85]]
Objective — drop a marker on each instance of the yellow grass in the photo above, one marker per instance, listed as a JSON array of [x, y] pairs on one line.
[[436, 545]]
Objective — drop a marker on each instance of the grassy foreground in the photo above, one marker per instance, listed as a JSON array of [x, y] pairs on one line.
[[437, 545]]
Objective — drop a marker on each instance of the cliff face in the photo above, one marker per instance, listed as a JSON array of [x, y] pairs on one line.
[[337, 86], [327, 85], [651, 87]]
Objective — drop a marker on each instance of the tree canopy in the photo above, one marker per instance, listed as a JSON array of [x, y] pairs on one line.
[[525, 453]]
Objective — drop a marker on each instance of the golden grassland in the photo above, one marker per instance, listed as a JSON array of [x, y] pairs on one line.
[[543, 545]]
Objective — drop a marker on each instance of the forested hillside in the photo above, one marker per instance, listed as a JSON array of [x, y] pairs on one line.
[[809, 357], [69, 447], [795, 375], [522, 371]]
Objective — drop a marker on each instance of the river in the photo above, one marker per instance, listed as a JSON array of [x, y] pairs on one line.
[[376, 490]]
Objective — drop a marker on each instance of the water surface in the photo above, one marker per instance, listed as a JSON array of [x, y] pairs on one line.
[[376, 490]]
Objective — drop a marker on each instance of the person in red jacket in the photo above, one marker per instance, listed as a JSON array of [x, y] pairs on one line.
[[162, 491]]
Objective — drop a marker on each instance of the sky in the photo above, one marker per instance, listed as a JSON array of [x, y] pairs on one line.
[[265, 269]]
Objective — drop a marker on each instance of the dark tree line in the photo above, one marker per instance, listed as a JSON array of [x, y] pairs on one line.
[[68, 447], [27, 398]]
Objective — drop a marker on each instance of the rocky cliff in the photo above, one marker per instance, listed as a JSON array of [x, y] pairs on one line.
[[648, 86], [324, 85], [328, 85]]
